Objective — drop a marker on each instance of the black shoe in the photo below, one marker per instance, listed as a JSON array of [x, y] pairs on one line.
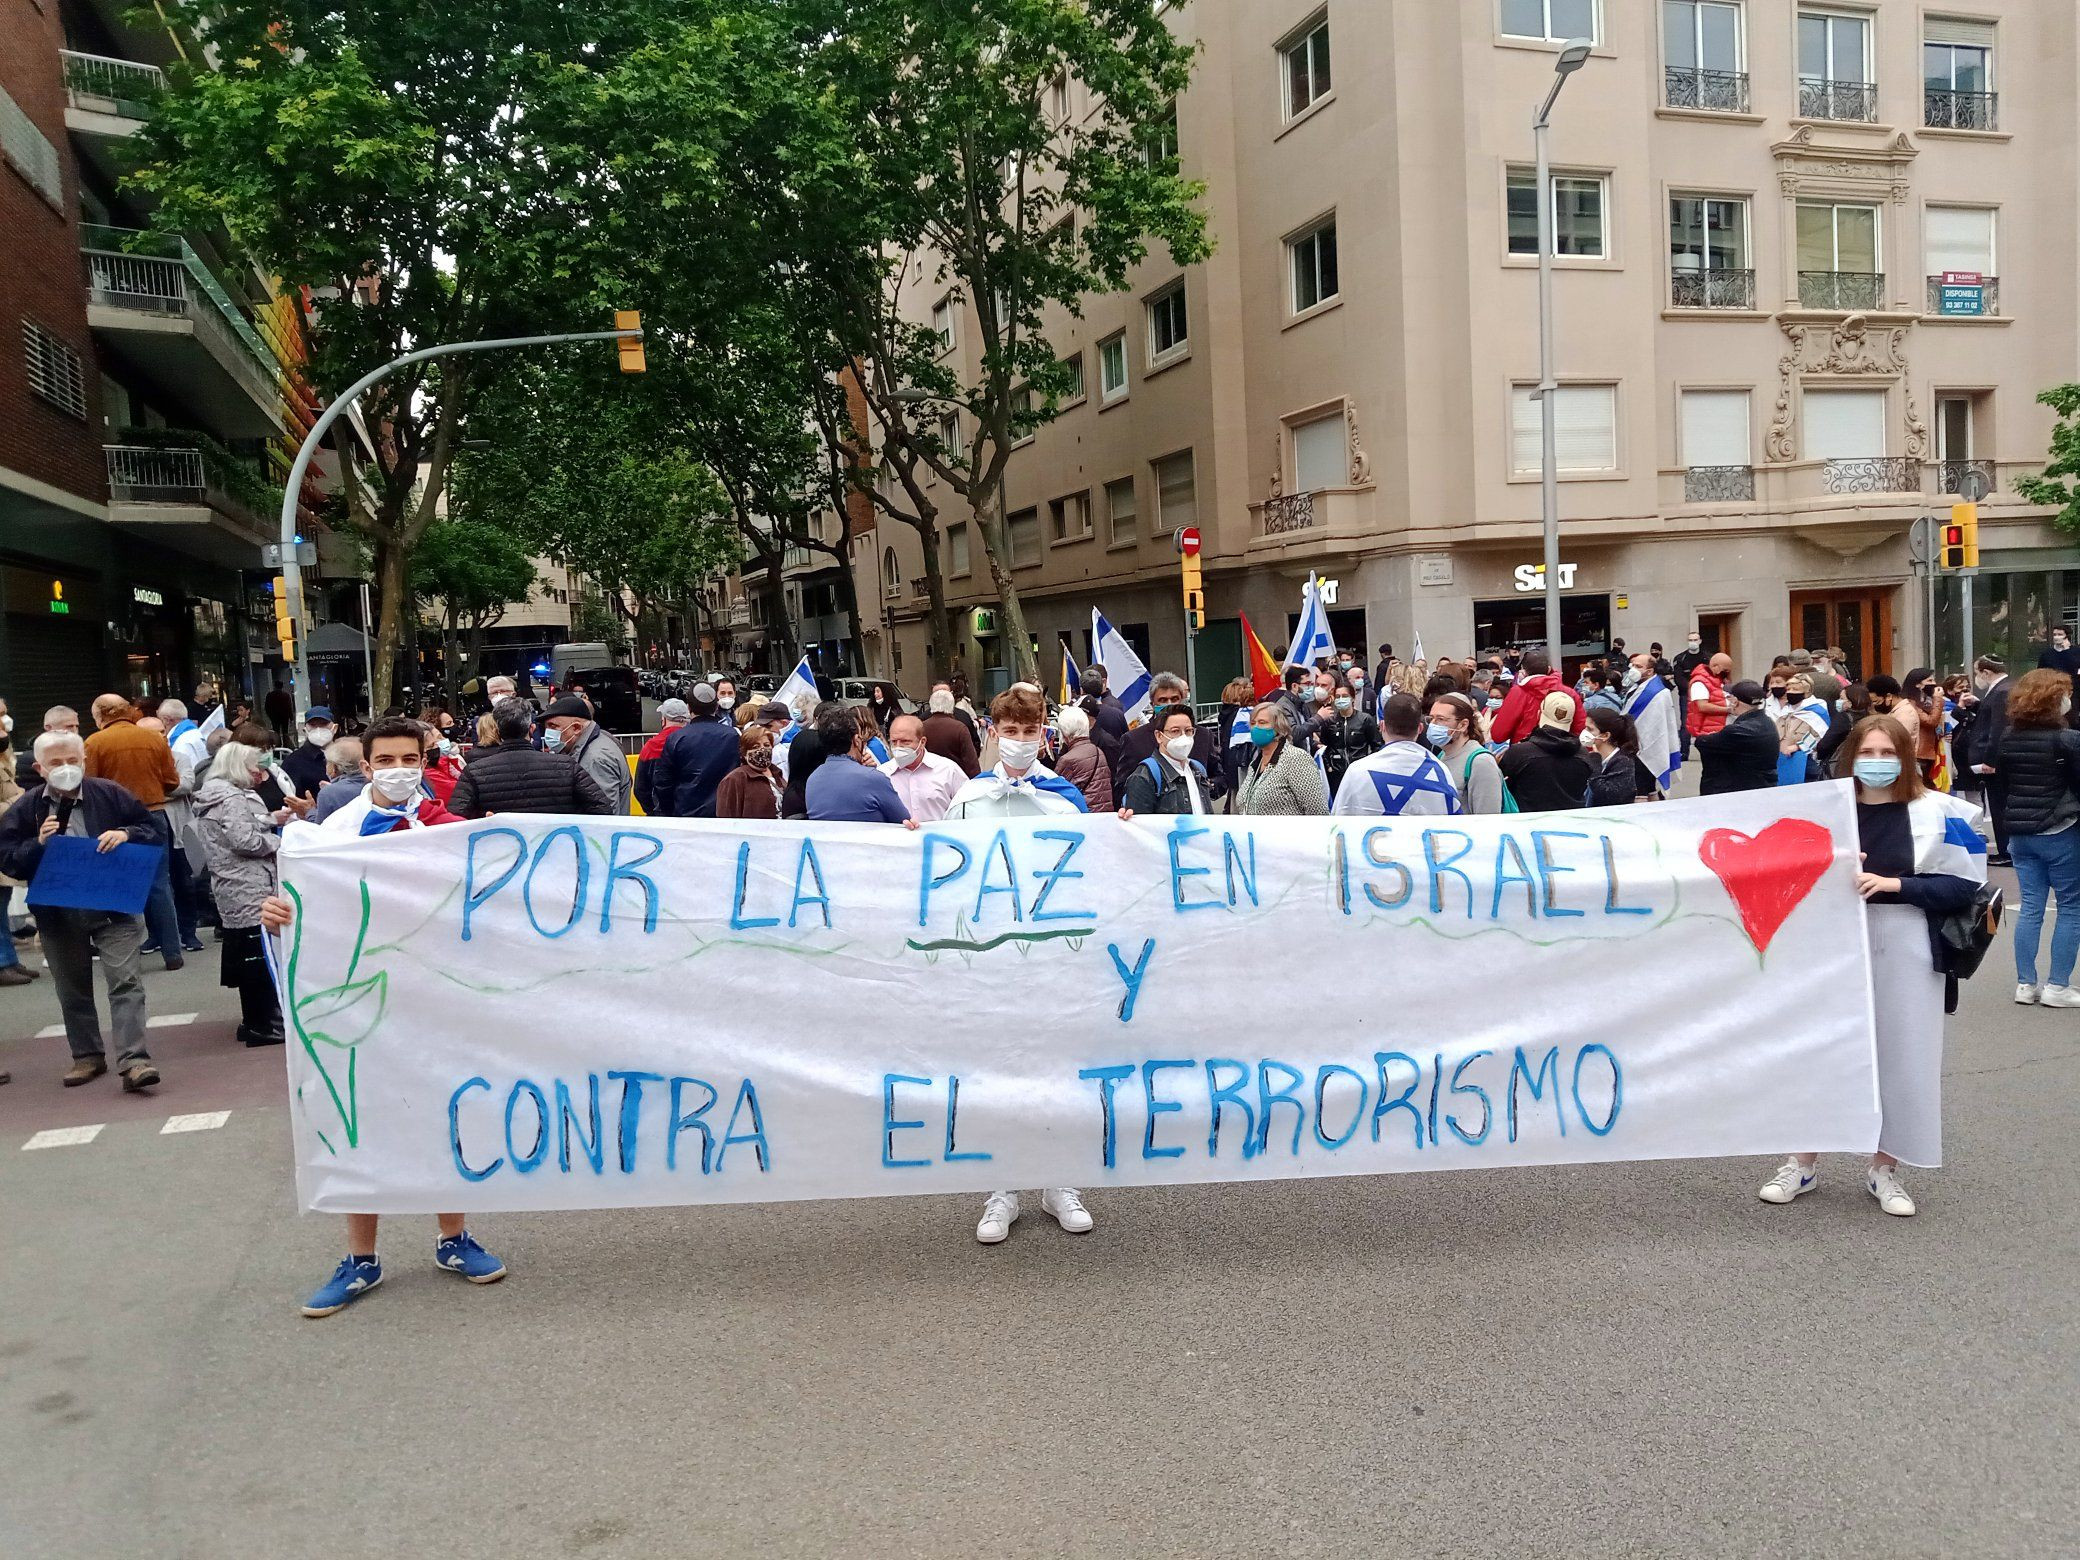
[[15, 975], [252, 1039], [150, 947], [2000, 859], [176, 964], [190, 945]]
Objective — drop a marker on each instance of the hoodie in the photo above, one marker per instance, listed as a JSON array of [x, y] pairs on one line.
[[1518, 717], [239, 843]]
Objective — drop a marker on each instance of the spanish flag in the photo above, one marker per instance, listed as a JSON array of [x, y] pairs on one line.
[[1263, 671]]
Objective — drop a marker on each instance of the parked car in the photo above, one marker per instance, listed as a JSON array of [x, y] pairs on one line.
[[615, 693]]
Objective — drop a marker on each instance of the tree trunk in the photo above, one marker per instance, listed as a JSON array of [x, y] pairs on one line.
[[938, 619], [851, 601], [451, 658], [779, 626], [1019, 661], [391, 616]]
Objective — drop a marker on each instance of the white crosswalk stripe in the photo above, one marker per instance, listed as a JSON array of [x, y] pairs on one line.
[[159, 1021], [201, 1121], [64, 1137]]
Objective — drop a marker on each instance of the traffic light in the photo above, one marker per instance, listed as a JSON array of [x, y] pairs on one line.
[[631, 347], [1961, 537], [284, 619], [1187, 540]]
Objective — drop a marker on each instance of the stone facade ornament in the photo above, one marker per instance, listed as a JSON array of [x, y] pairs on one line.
[[1850, 348], [1278, 462], [1917, 430], [1361, 463]]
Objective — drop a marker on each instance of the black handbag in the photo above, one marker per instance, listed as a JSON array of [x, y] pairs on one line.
[[1963, 936]]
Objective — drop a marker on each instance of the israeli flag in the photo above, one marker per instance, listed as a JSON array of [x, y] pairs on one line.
[[798, 683], [1311, 639], [1124, 673]]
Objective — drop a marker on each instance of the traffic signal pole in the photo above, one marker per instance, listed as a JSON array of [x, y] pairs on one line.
[[1187, 542], [292, 567]]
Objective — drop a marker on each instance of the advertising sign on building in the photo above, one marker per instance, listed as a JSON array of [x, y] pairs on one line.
[[1961, 292]]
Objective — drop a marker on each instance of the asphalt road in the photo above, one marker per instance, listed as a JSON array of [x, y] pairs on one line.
[[1605, 1361]]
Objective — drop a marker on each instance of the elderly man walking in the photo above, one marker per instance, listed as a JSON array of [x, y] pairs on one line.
[[68, 802], [141, 762]]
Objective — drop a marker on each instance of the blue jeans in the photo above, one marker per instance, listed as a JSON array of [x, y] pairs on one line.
[[162, 923], [9, 958], [2047, 864]]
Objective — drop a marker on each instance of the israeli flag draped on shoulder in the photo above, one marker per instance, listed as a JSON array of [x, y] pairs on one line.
[[1947, 837], [1311, 638], [1660, 736], [1125, 674], [1238, 728], [799, 682]]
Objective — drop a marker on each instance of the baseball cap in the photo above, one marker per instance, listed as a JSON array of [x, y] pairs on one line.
[[1801, 657], [317, 715], [1557, 709], [674, 709], [1748, 691]]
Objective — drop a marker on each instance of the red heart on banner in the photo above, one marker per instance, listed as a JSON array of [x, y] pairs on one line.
[[1768, 875]]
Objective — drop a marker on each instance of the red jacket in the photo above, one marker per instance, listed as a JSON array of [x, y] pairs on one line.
[[1695, 720], [1518, 717], [441, 776]]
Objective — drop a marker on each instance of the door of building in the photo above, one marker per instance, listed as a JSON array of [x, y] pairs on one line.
[[1856, 622], [1717, 631]]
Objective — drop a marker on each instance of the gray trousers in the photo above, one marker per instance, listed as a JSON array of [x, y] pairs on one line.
[[71, 938]]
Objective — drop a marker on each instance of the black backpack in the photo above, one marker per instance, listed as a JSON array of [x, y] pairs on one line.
[[1963, 936]]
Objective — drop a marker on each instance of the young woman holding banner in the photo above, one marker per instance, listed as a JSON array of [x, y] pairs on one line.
[[1922, 858]]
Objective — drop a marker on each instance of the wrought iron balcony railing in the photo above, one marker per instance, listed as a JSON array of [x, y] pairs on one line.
[[1874, 474], [1950, 475], [1943, 109], [102, 84], [1721, 91], [1719, 485], [1845, 290], [1286, 512], [1712, 289], [1955, 300], [141, 475], [1857, 100]]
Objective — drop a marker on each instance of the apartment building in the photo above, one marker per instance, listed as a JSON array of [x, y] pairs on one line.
[[1814, 263], [150, 393]]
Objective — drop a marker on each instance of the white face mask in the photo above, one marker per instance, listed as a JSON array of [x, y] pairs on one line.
[[396, 785], [66, 777], [904, 757], [1179, 748], [317, 736], [7, 724], [727, 701], [1017, 755]]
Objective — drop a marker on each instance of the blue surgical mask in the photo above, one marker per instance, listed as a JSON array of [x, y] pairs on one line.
[[552, 739], [1877, 773], [1343, 704], [1263, 736], [1439, 733]]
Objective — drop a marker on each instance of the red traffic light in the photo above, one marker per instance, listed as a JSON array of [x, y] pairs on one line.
[[1953, 536], [1188, 541]]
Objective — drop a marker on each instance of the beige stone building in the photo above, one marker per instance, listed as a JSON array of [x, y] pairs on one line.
[[1814, 263]]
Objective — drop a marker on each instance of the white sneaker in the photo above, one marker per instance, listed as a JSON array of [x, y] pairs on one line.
[[998, 1215], [1066, 1204], [1892, 1197], [2060, 996], [1792, 1180], [2027, 994]]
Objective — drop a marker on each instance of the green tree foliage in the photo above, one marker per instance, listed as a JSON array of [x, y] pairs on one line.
[[2059, 485], [470, 573]]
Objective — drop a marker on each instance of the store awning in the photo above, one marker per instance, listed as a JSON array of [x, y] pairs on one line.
[[339, 640]]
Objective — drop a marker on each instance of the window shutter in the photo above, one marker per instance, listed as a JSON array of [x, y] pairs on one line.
[[30, 150], [1176, 501], [1585, 428], [1959, 239], [1946, 29], [1715, 428], [1844, 424], [1321, 455]]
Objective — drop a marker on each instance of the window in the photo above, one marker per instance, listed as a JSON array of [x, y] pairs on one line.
[[1703, 57], [1122, 524], [1556, 20], [950, 438], [1838, 257], [1844, 424], [1306, 59], [1070, 517], [1321, 455], [1159, 145], [1177, 502], [1715, 428], [1058, 98], [1708, 253], [1960, 238], [1953, 432], [1073, 392], [1957, 74], [1578, 208], [1023, 426], [33, 156], [1585, 428], [946, 320], [891, 573], [1834, 66], [1168, 335], [1314, 266], [957, 549], [55, 374], [1024, 529], [1112, 367]]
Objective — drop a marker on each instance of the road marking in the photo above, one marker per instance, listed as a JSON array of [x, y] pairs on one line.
[[163, 1021], [202, 1121], [64, 1137]]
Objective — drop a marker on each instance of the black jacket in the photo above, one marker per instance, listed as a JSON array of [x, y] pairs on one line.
[[2040, 778], [1839, 724], [515, 778], [1741, 756], [1989, 726], [306, 767], [1206, 753], [105, 805], [1302, 712], [1108, 726], [1616, 783], [1547, 771], [1343, 740], [687, 773], [1141, 793]]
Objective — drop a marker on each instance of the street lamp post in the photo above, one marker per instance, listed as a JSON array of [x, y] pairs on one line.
[[1570, 59]]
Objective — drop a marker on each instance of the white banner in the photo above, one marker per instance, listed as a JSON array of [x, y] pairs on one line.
[[534, 1012]]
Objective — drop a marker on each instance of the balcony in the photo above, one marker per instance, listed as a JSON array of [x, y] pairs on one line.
[[159, 318], [1950, 476], [1943, 109], [101, 84], [1287, 513], [1695, 289], [1719, 485], [1717, 91], [1872, 474], [196, 497], [1848, 291], [1325, 518], [1964, 300], [1856, 101]]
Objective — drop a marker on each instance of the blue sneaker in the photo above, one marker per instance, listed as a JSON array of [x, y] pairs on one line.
[[463, 1255], [349, 1282]]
